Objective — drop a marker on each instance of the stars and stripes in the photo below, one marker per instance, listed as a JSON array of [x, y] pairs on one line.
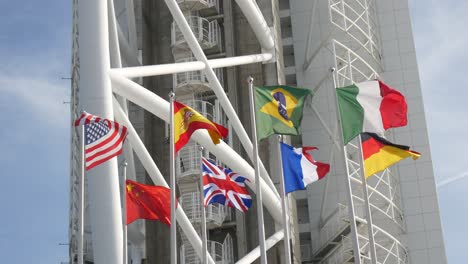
[[221, 185], [103, 139], [87, 118]]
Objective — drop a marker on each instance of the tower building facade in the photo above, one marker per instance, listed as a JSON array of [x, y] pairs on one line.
[[319, 45]]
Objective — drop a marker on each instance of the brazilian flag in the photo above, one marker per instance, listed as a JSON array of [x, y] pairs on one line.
[[279, 110]]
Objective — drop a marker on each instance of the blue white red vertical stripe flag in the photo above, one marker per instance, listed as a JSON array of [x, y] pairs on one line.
[[221, 185], [103, 139], [300, 168]]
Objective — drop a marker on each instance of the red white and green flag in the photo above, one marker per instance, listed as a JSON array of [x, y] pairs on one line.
[[370, 106]]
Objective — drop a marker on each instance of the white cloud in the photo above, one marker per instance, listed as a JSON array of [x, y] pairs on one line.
[[453, 179], [35, 92], [440, 38]]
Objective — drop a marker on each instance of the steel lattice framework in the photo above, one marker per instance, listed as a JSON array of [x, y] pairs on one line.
[[354, 50], [95, 11], [356, 58]]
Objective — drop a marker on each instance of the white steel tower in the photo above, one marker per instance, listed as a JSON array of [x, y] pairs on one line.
[[335, 43], [212, 46]]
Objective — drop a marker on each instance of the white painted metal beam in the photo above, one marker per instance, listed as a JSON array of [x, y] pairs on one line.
[[95, 95], [170, 68], [116, 62], [258, 23], [255, 253], [156, 176], [128, 54], [160, 107], [216, 85]]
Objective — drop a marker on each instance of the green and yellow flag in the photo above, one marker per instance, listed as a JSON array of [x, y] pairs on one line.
[[279, 110]]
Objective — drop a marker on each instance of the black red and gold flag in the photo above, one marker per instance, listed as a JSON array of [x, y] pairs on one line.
[[380, 153]]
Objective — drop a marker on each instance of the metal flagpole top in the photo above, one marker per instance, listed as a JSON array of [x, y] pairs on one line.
[[172, 184], [250, 79], [258, 191]]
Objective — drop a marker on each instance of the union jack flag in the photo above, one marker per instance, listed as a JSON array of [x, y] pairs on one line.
[[221, 185], [103, 139]]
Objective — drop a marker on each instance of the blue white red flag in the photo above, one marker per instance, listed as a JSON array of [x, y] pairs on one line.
[[300, 168], [103, 139], [221, 185]]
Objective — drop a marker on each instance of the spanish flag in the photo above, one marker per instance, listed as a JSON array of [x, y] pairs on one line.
[[380, 154], [187, 120]]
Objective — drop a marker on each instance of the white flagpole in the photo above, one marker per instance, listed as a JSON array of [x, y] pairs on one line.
[[284, 205], [370, 227], [352, 215], [124, 213], [81, 186], [203, 215], [261, 227], [172, 183]]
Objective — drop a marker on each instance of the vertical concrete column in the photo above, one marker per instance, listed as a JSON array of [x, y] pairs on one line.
[[96, 97]]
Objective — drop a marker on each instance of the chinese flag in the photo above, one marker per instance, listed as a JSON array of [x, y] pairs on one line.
[[148, 202], [187, 120]]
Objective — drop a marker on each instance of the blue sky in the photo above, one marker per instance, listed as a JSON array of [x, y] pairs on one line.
[[35, 42], [441, 41]]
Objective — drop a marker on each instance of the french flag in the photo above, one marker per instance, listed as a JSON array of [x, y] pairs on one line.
[[299, 167]]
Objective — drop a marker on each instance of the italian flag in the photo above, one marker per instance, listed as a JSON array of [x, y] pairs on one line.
[[370, 106]]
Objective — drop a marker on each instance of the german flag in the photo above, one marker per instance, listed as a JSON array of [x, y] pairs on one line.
[[380, 154], [187, 120]]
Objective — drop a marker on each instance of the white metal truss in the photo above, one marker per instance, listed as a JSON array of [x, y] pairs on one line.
[[346, 235], [158, 106], [383, 189], [382, 197], [357, 18], [75, 148]]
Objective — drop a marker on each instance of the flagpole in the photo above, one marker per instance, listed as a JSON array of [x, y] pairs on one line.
[[203, 214], [261, 227], [124, 213], [284, 205], [172, 184], [370, 227], [352, 215], [81, 186]]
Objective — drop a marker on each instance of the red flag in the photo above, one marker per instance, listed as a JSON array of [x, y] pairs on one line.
[[148, 202]]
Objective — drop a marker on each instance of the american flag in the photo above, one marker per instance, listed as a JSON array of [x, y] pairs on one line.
[[221, 185], [103, 139]]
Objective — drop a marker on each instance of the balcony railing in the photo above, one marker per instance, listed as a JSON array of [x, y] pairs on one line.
[[222, 253], [207, 33], [216, 214], [188, 164], [205, 7], [194, 81]]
